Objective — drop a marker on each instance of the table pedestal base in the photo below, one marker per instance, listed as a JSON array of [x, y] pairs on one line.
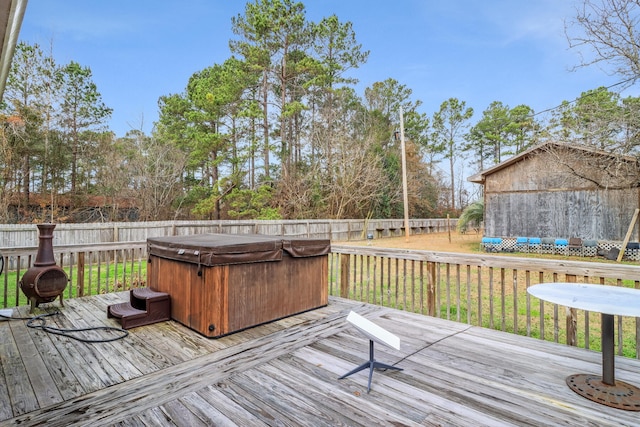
[[621, 395]]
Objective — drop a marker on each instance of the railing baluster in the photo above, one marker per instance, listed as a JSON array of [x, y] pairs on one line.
[[107, 269], [503, 299], [124, 268], [469, 294], [556, 326], [389, 279], [80, 275], [448, 281], [637, 286], [586, 322], [368, 277], [479, 296], [439, 299], [355, 277], [362, 258], [431, 286], [422, 294], [374, 284], [413, 286], [404, 285], [541, 280], [71, 275], [5, 292], [491, 297], [458, 292], [99, 273], [572, 319], [382, 281], [344, 275], [91, 255], [528, 301], [18, 275], [620, 330], [515, 300]]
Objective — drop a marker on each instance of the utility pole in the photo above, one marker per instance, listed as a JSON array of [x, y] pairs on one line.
[[404, 178]]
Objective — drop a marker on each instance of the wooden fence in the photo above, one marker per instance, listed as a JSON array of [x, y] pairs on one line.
[[478, 289], [26, 235]]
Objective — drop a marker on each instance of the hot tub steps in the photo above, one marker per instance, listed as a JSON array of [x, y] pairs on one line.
[[144, 308]]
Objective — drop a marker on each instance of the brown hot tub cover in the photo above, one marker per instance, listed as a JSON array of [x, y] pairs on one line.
[[220, 249]]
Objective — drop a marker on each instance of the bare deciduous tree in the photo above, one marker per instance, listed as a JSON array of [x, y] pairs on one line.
[[609, 30], [602, 169], [349, 190], [157, 185]]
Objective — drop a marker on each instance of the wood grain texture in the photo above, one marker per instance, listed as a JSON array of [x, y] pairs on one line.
[[286, 373], [538, 197], [221, 299]]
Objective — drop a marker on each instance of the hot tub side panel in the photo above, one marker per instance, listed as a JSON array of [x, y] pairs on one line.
[[221, 284], [196, 301], [260, 293], [209, 303]]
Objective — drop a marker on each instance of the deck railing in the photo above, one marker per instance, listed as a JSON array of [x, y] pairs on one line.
[[477, 289], [483, 290], [92, 269]]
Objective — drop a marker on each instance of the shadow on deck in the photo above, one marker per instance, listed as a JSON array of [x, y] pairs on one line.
[[286, 373]]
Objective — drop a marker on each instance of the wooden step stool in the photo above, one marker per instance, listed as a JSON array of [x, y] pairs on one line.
[[144, 308]]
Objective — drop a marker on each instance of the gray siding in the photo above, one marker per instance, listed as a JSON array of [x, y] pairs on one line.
[[589, 214], [539, 196]]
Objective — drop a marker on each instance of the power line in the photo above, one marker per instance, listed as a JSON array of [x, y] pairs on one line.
[[585, 95]]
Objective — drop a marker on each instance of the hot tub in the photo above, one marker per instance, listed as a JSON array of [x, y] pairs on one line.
[[223, 283]]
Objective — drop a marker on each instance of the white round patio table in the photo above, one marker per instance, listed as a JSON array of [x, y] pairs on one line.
[[610, 301]]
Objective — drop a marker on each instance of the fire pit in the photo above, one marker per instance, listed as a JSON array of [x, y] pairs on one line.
[[44, 281]]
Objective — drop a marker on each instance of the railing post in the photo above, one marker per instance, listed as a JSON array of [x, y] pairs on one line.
[[80, 275], [345, 268], [572, 319], [637, 286], [431, 289]]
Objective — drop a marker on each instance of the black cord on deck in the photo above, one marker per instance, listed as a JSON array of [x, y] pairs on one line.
[[40, 322]]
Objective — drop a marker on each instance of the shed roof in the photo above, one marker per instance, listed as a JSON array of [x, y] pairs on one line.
[[480, 177]]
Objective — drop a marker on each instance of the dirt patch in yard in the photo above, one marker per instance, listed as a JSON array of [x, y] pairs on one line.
[[441, 242], [462, 243]]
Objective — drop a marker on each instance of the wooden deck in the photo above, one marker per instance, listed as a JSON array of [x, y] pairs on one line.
[[286, 373]]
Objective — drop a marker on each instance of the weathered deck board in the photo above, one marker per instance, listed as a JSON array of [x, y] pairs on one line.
[[398, 392], [62, 373], [129, 354], [40, 378], [286, 373], [21, 395], [231, 410]]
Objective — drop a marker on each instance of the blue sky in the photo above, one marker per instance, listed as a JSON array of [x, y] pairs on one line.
[[513, 51]]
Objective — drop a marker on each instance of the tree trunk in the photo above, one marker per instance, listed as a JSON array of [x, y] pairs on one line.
[[74, 169], [453, 180], [26, 170], [265, 123]]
